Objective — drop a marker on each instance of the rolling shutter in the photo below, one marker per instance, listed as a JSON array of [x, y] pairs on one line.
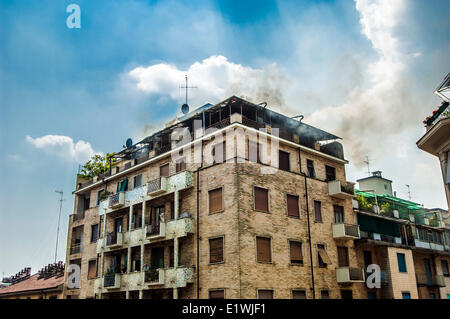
[[215, 200], [292, 206], [216, 250], [296, 252], [261, 199], [263, 252], [283, 160], [164, 170]]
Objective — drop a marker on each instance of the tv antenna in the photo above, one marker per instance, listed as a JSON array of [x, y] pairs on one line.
[[409, 191], [367, 162], [185, 106], [59, 218]]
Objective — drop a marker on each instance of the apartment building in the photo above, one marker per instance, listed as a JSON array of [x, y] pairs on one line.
[[411, 246], [243, 203]]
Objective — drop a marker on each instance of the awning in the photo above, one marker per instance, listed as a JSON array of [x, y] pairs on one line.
[[378, 225]]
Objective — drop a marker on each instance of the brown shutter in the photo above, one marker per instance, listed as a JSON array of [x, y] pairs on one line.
[[265, 294], [164, 170], [317, 211], [343, 256], [323, 255], [92, 272], [216, 250], [215, 200], [263, 252], [296, 252], [283, 160], [217, 294], [292, 206], [180, 165], [261, 199], [298, 294]]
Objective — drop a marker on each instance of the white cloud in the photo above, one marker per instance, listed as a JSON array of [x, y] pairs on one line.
[[216, 78], [64, 147]]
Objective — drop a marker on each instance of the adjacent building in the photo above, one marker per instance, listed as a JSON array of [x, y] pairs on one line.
[[46, 284]]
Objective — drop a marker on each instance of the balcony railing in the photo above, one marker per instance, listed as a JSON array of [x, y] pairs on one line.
[[346, 231], [221, 124], [251, 123], [157, 186], [154, 276], [114, 239], [116, 200], [153, 229], [111, 281], [75, 249], [430, 280], [78, 216], [349, 275], [341, 190]]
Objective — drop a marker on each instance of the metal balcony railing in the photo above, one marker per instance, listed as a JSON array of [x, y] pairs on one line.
[[111, 281], [114, 200], [430, 280], [75, 249], [78, 216], [153, 229], [356, 274], [111, 239]]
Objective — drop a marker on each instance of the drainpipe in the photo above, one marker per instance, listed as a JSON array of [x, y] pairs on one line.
[[141, 292], [309, 226], [175, 240], [198, 230]]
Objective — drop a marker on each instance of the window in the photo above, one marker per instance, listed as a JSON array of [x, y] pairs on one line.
[[401, 262], [217, 294], [172, 255], [432, 295], [283, 161], [298, 294], [164, 170], [296, 254], [324, 294], [94, 233], [406, 295], [292, 206], [317, 211], [215, 200], [92, 271], [444, 265], [343, 256], [216, 250], [99, 194], [265, 294], [261, 199], [137, 181], [180, 165], [254, 152], [122, 186], [338, 214], [330, 173], [263, 250], [322, 255], [310, 167], [219, 153]]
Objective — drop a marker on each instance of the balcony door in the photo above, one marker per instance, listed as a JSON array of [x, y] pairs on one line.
[[157, 257], [118, 224]]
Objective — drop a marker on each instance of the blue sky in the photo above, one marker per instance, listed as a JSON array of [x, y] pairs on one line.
[[364, 70]]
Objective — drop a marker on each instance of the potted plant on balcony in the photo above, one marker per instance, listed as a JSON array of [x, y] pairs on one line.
[[363, 203], [152, 274], [385, 209]]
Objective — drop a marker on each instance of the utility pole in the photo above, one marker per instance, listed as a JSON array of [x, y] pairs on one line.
[[59, 218]]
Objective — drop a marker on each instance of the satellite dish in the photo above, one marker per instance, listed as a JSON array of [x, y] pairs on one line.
[[129, 143], [185, 108]]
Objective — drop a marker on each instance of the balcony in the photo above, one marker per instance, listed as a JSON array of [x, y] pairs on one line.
[[114, 240], [154, 277], [75, 249], [155, 231], [430, 280], [345, 275], [428, 245], [157, 186], [345, 231], [111, 281], [341, 190], [116, 200], [78, 216]]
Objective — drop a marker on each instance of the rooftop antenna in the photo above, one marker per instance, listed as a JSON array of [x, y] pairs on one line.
[[367, 162], [59, 218], [185, 106], [409, 191]]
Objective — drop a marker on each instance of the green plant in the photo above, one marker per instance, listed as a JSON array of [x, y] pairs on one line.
[[104, 195], [97, 165], [363, 203], [152, 274], [385, 208]]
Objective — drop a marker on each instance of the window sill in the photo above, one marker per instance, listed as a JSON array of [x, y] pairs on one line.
[[218, 212], [296, 264], [217, 263], [265, 262], [295, 217]]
